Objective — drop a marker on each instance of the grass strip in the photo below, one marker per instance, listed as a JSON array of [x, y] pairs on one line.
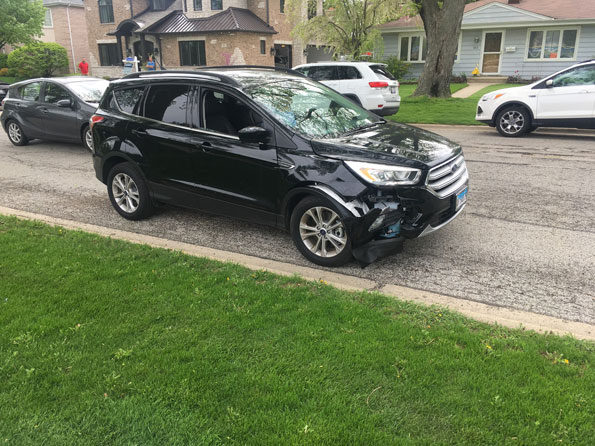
[[456, 111], [107, 342]]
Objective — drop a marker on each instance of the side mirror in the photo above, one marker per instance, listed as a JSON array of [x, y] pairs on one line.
[[253, 134], [549, 83], [64, 103]]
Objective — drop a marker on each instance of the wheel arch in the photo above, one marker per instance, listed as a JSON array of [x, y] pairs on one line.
[[109, 164], [510, 104]]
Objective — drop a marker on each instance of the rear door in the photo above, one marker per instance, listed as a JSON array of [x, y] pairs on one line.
[[27, 109], [327, 74], [59, 122], [572, 95]]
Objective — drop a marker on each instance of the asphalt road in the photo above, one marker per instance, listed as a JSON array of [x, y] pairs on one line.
[[526, 239]]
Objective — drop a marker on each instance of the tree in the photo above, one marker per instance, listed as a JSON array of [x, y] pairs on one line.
[[20, 21], [348, 26], [38, 59], [442, 23]]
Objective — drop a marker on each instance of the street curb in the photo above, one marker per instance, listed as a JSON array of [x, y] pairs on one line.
[[479, 311], [541, 130]]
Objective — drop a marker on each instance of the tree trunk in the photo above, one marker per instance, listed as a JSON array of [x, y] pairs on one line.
[[442, 25]]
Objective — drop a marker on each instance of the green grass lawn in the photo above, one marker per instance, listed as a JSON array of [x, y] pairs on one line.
[[105, 342], [8, 79], [423, 110]]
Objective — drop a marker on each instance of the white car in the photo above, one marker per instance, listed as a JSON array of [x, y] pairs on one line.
[[564, 99], [368, 84]]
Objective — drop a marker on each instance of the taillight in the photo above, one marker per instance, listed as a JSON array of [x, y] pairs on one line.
[[378, 84], [95, 119]]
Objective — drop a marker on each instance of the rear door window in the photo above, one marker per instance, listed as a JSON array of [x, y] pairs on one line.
[[323, 73], [30, 92], [128, 99], [382, 72], [168, 103], [348, 73]]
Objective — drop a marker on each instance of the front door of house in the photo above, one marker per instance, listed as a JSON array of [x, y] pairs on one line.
[[492, 51]]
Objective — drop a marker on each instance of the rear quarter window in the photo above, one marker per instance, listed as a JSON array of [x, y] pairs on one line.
[[127, 99], [382, 72]]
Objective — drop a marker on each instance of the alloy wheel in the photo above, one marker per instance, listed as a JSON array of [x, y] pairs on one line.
[[322, 232], [89, 139], [125, 193], [512, 122], [14, 132]]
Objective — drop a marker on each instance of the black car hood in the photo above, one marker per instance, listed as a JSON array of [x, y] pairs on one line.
[[390, 143]]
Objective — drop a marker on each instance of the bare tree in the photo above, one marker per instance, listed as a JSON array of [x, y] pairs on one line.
[[442, 23]]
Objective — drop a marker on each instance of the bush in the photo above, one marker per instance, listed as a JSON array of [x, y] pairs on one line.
[[3, 60], [4, 71], [460, 78], [397, 67], [38, 59]]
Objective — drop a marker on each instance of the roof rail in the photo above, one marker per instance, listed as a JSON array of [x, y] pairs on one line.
[[197, 73], [258, 67]]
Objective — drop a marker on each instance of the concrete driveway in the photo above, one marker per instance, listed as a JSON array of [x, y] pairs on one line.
[[526, 239]]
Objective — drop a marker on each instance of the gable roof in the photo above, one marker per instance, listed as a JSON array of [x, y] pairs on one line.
[[552, 9], [230, 20]]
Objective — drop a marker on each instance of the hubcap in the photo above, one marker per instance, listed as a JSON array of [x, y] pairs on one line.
[[512, 122], [89, 139], [14, 132], [125, 193], [322, 231]]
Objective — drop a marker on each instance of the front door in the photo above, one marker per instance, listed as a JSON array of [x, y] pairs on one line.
[[492, 52], [61, 122], [283, 56]]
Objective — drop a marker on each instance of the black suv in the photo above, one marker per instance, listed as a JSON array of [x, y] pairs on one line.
[[272, 146]]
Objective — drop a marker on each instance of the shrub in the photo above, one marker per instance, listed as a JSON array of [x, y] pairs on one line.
[[4, 71], [397, 67], [38, 59], [460, 78], [3, 60]]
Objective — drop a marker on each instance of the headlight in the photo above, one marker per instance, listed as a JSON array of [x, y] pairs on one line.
[[383, 174], [490, 96]]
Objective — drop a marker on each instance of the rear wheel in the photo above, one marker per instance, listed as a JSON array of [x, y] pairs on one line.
[[319, 233], [513, 121], [15, 134], [88, 139], [128, 192]]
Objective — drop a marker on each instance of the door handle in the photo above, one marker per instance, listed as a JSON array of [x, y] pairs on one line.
[[138, 132], [205, 146]]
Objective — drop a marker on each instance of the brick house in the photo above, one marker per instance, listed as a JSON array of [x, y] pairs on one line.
[[181, 34], [65, 24]]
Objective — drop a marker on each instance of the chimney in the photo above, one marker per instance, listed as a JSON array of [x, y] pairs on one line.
[[514, 2]]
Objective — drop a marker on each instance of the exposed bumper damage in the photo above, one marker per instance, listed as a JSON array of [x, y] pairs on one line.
[[379, 221]]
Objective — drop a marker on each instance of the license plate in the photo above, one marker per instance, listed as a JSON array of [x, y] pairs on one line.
[[393, 90], [461, 198]]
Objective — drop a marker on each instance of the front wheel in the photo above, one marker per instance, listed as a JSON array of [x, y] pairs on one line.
[[319, 233], [513, 121], [15, 134], [128, 192]]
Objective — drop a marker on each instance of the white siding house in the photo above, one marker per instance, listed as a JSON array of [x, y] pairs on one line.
[[528, 38]]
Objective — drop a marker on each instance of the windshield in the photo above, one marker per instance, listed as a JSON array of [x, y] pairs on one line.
[[311, 109], [89, 91]]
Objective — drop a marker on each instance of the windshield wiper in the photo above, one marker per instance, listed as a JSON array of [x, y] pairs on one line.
[[365, 126]]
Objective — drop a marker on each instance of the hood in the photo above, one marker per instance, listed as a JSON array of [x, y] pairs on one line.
[[389, 143], [509, 91]]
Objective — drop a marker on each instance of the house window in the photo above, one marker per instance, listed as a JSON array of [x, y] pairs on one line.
[[108, 54], [47, 23], [216, 5], [263, 46], [198, 5], [282, 6], [552, 44], [413, 48], [159, 5], [106, 11], [192, 52]]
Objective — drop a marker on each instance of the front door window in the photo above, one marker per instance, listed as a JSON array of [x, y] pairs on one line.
[[492, 51]]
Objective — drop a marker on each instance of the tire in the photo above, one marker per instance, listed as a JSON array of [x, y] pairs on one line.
[[532, 129], [513, 121], [327, 243], [128, 192], [15, 134], [87, 137]]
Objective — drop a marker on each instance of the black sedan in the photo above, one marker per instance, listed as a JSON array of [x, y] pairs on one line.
[[56, 109]]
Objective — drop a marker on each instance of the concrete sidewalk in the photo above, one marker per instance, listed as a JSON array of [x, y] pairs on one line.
[[470, 90]]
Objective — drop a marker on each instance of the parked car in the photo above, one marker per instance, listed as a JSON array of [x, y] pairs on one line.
[[56, 109], [272, 146], [564, 99], [368, 84]]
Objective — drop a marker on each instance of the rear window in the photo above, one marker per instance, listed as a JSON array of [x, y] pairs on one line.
[[128, 99], [382, 72]]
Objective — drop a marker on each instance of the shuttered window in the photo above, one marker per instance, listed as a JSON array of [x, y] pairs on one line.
[[106, 11], [192, 52]]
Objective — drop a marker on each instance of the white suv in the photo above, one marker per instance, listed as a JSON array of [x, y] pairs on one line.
[[564, 99], [366, 83]]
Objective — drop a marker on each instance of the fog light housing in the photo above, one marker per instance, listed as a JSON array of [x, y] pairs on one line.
[[376, 224]]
